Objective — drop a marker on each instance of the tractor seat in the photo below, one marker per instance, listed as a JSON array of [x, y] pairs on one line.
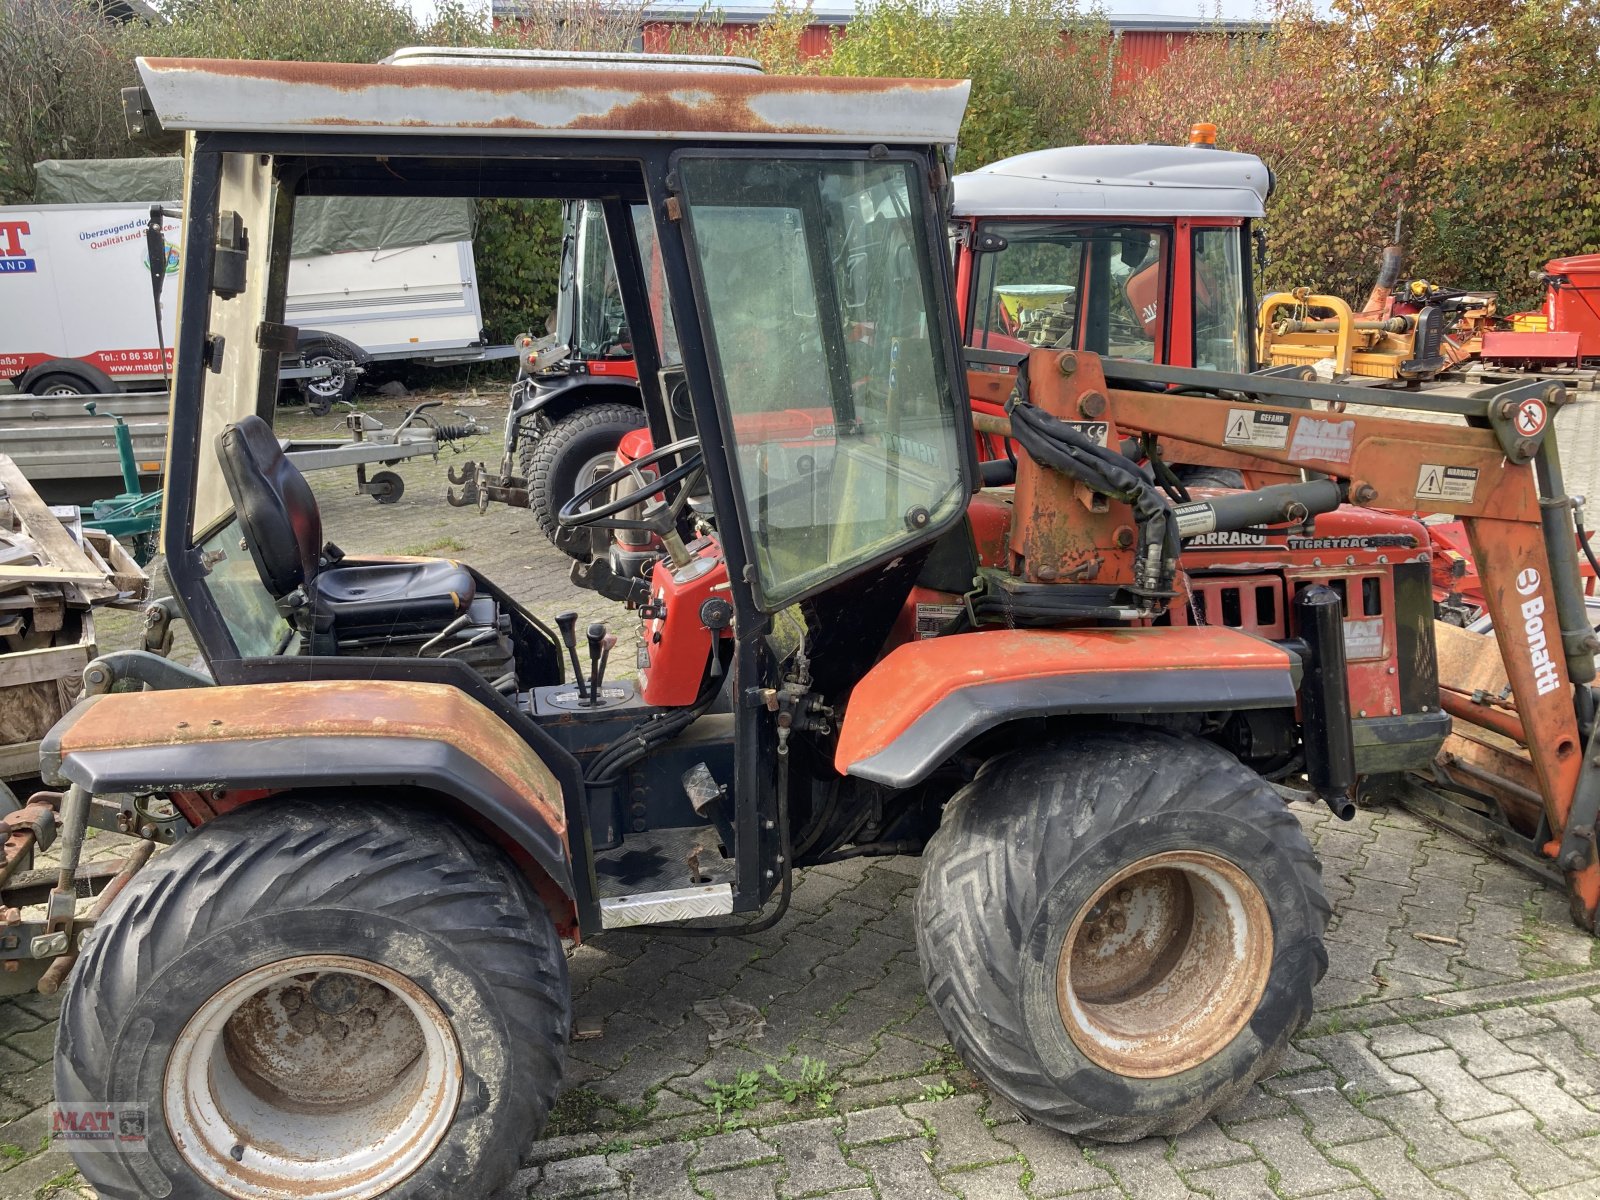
[[410, 595], [282, 528]]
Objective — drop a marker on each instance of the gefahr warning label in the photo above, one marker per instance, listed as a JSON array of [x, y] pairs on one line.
[[1454, 484], [1248, 427]]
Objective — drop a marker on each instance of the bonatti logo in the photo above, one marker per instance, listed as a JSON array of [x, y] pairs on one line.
[[14, 259], [1546, 675]]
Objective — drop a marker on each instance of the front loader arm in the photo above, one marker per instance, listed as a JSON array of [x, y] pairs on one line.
[[1501, 475]]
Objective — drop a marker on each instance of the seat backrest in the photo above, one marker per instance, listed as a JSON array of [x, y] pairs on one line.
[[278, 514]]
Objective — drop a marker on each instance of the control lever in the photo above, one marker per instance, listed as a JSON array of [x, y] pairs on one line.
[[597, 637], [606, 647], [567, 623]]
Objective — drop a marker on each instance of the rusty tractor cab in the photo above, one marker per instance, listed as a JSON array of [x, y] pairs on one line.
[[577, 390], [390, 799]]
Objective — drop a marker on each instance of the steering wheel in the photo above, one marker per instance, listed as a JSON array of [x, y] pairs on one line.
[[659, 519]]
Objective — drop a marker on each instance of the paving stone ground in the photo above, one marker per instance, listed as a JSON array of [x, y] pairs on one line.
[[1454, 1052]]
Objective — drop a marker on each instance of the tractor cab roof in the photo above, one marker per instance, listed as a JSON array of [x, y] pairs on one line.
[[1117, 181], [589, 100]]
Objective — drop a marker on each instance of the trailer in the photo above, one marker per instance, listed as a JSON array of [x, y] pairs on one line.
[[370, 280]]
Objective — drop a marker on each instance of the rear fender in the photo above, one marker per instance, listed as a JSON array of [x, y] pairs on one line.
[[924, 700], [217, 748]]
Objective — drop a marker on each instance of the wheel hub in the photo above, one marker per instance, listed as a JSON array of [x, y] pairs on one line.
[[322, 1076], [1165, 964]]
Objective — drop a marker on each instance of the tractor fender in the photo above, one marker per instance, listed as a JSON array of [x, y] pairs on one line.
[[924, 700], [219, 747], [559, 397]]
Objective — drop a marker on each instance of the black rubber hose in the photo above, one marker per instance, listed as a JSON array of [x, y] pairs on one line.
[[1054, 443]]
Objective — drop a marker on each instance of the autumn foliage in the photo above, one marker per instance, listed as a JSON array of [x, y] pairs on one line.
[[1471, 125]]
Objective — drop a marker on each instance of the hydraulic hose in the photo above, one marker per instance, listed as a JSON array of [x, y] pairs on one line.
[[1055, 444]]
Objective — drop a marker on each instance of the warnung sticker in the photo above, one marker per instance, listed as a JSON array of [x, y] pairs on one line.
[[1456, 485]]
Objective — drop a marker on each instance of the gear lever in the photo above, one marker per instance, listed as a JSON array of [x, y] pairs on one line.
[[567, 623], [597, 637]]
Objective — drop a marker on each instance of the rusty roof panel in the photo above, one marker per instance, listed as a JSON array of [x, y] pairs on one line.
[[279, 97]]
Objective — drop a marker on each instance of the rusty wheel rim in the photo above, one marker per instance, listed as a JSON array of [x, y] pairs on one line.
[[323, 1076], [1165, 964]]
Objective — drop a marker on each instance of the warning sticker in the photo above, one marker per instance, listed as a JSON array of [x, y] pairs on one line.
[[1194, 519], [1531, 416], [1098, 432], [1247, 427], [1363, 638], [931, 618], [1454, 484], [1329, 441]]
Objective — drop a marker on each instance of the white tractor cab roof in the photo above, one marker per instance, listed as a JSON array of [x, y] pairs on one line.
[[534, 98], [470, 56], [1117, 181]]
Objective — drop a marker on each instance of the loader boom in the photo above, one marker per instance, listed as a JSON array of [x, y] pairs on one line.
[[1500, 474]]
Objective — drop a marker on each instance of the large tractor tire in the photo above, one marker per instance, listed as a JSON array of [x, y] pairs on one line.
[[572, 454], [1120, 932], [319, 999]]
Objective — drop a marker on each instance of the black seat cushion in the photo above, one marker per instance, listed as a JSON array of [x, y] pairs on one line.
[[277, 512], [381, 598], [281, 525]]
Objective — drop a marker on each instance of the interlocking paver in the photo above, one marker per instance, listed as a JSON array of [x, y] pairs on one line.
[[1357, 1066], [1383, 1166], [1539, 1092], [813, 1158], [657, 1172], [1433, 1141], [1283, 1145], [885, 1124], [901, 1170], [1240, 1181], [1539, 1164], [577, 1177], [1142, 1169], [744, 1183], [961, 1138], [1460, 1096]]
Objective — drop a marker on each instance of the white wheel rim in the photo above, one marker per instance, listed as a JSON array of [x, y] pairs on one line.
[[322, 1077], [328, 387]]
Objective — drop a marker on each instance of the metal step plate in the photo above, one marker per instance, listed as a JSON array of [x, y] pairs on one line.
[[676, 904]]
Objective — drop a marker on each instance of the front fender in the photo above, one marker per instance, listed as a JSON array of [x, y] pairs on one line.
[[272, 737], [925, 700]]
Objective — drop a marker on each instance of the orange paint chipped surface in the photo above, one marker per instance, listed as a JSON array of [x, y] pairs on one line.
[[331, 708], [913, 678]]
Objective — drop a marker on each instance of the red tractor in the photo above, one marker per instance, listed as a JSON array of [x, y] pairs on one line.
[[391, 799]]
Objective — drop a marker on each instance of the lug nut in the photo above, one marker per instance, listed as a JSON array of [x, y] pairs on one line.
[[1125, 895], [292, 1000]]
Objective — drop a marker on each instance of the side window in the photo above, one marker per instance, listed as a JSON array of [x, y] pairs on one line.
[[1221, 332], [1027, 294], [1095, 287], [1126, 285]]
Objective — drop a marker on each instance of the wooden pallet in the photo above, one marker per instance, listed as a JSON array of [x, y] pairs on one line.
[[53, 573]]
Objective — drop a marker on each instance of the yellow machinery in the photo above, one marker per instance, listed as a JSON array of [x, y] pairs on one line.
[[1377, 348]]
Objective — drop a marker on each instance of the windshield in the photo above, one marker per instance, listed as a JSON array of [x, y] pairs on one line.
[[1089, 287], [822, 315], [600, 328], [1221, 338]]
